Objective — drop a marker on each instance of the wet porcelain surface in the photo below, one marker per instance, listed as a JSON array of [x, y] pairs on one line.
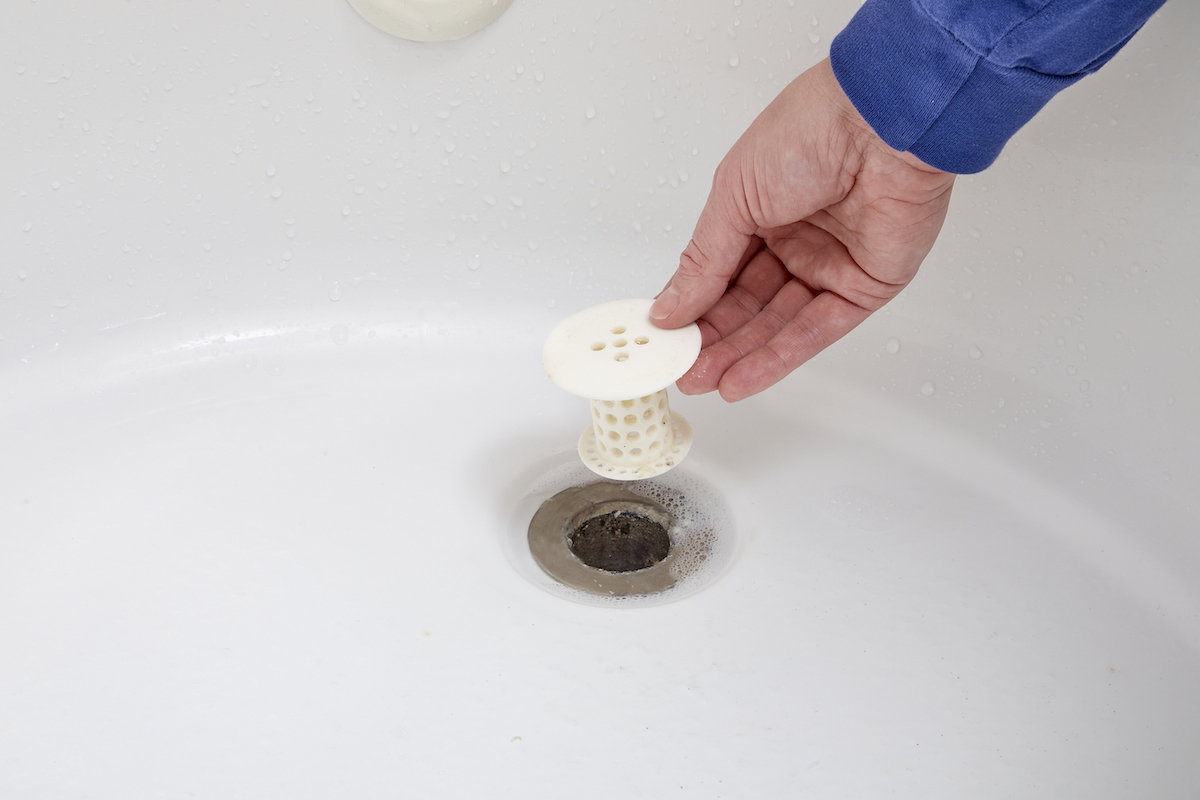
[[260, 261]]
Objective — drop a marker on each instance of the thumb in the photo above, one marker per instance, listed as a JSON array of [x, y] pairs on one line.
[[721, 244]]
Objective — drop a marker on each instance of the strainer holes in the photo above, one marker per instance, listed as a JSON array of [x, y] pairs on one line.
[[637, 451], [598, 346], [649, 413], [627, 403], [630, 419], [616, 452], [633, 436], [620, 343], [622, 356], [608, 403], [614, 436], [610, 419], [654, 445], [618, 330], [642, 340], [653, 429]]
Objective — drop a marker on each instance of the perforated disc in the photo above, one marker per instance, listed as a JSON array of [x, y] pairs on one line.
[[613, 352]]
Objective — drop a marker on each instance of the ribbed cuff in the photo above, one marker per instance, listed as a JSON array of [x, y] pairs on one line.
[[924, 91]]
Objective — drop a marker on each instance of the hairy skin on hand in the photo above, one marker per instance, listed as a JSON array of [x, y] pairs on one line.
[[812, 224]]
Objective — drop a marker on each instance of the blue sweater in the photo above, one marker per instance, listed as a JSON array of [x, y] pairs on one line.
[[950, 81]]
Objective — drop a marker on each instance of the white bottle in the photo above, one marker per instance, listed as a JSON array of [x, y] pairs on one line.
[[430, 20]]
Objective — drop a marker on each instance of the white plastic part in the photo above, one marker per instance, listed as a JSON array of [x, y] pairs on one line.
[[616, 357], [430, 20]]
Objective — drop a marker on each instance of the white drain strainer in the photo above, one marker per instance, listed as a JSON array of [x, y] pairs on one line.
[[616, 357]]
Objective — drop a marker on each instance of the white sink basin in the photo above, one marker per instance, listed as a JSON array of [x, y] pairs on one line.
[[272, 302]]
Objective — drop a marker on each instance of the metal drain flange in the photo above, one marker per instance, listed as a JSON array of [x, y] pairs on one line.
[[550, 533]]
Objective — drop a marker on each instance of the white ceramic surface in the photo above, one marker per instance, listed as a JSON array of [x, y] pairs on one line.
[[260, 259]]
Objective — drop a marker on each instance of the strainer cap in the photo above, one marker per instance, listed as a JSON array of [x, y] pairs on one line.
[[613, 352]]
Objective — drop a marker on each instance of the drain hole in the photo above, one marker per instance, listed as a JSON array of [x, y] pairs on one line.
[[620, 541]]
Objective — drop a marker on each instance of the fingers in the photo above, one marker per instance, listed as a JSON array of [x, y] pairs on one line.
[[778, 316], [819, 324], [726, 337], [721, 244]]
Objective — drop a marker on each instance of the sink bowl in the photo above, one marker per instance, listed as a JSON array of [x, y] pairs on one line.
[[272, 413]]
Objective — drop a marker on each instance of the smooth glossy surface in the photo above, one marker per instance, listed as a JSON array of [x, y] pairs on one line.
[[259, 262], [614, 352]]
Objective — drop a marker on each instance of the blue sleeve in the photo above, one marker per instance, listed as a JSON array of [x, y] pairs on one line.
[[950, 81]]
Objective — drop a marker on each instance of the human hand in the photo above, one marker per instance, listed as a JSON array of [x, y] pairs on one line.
[[812, 224]]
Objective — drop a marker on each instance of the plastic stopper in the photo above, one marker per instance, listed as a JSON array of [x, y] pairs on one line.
[[613, 355]]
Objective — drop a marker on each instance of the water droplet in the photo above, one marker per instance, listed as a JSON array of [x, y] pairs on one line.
[[276, 192], [683, 175], [927, 388], [474, 262], [21, 274], [589, 112], [449, 147], [892, 346], [1084, 386], [975, 353], [340, 333], [505, 166], [27, 227], [335, 292], [55, 185], [814, 37], [516, 200], [733, 61], [1019, 252], [345, 211], [271, 171], [207, 246]]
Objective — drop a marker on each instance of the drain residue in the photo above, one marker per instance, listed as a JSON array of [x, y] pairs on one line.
[[620, 542], [597, 542]]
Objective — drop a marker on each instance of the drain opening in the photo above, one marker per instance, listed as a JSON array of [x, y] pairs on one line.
[[672, 534], [605, 540], [620, 541]]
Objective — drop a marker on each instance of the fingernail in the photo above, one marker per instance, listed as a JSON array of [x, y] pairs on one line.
[[667, 302]]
